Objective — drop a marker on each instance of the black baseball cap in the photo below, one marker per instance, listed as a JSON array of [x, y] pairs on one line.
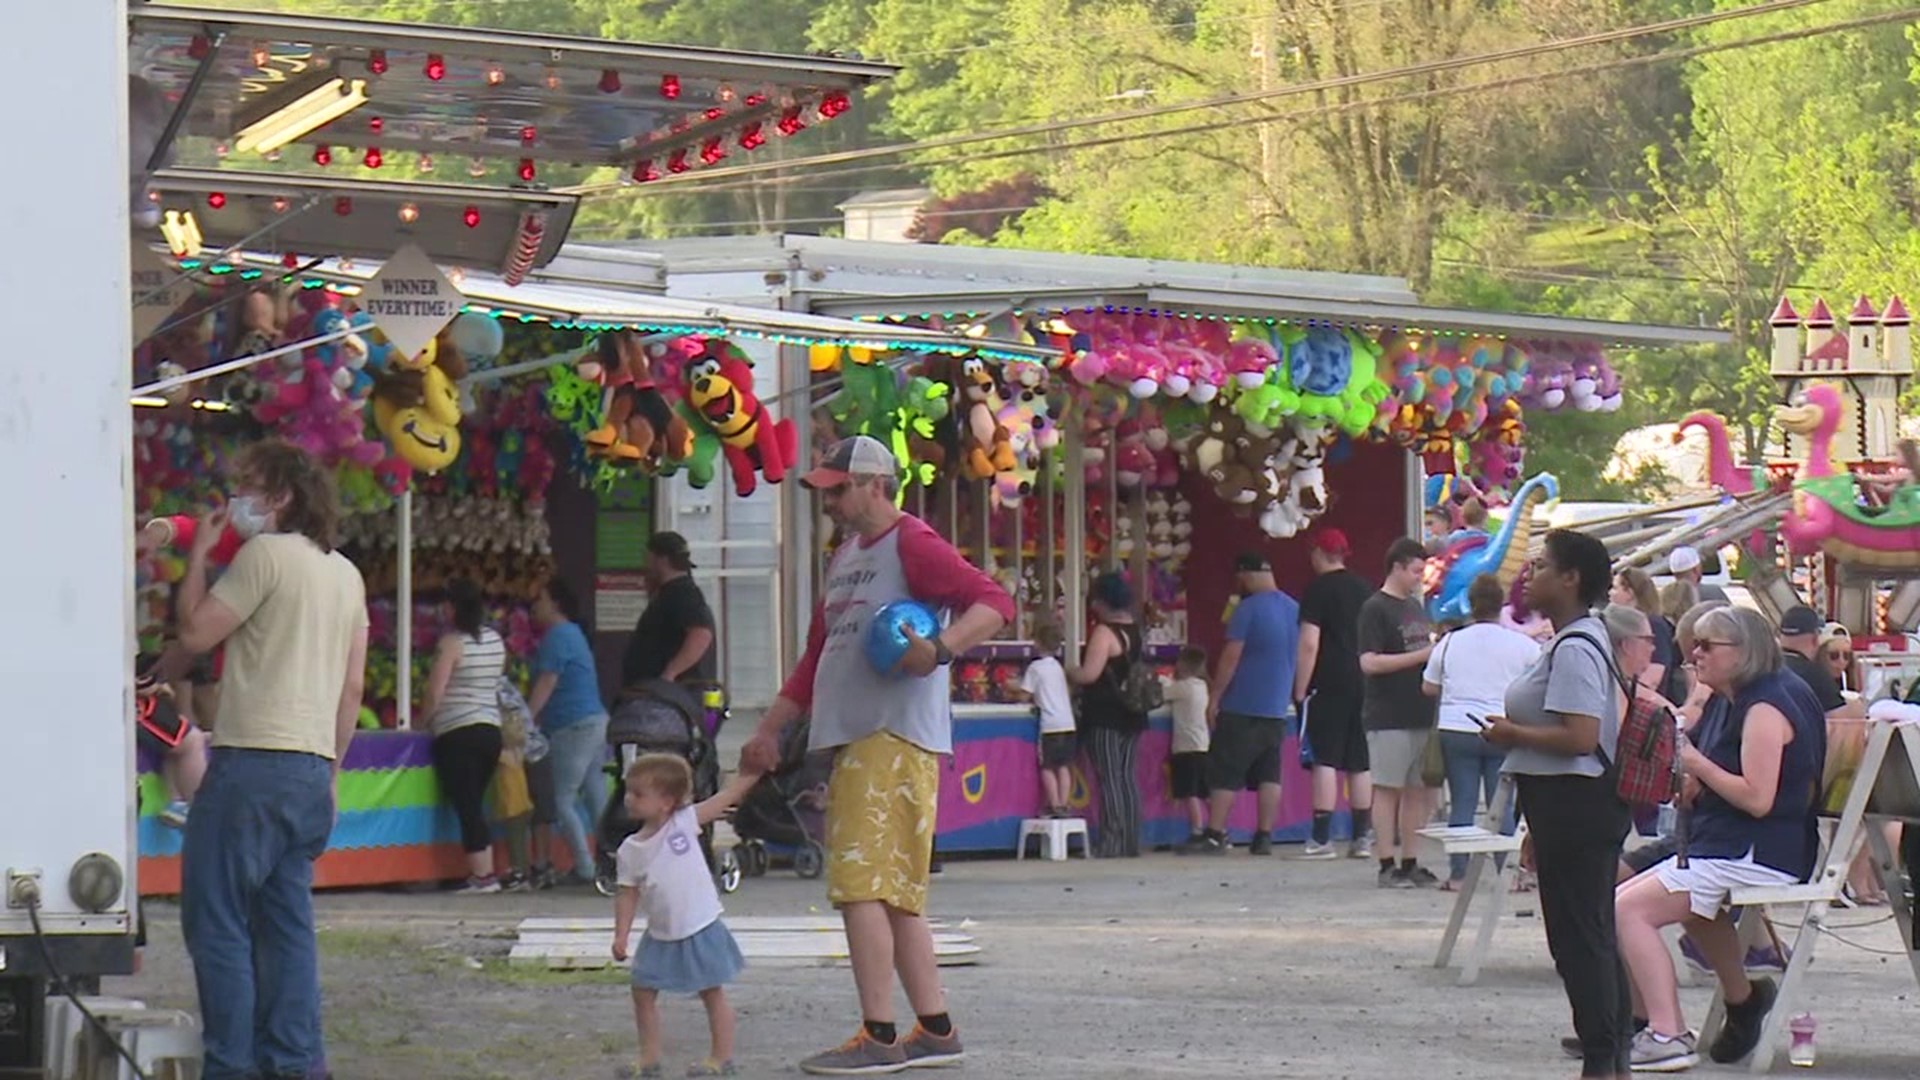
[[672, 547], [1801, 619], [1251, 562]]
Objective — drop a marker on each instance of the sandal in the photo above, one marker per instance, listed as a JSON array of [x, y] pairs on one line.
[[1523, 882]]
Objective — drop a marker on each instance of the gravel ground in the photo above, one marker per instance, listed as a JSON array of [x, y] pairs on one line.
[[1163, 967]]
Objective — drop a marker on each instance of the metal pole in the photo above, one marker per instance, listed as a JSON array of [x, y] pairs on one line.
[[1074, 564], [1048, 553], [1017, 560], [403, 618]]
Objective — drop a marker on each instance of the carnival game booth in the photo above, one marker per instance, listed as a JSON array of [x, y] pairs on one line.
[[1186, 412], [450, 406]]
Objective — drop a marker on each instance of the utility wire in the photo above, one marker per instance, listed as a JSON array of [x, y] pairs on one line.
[[1431, 67], [1798, 34]]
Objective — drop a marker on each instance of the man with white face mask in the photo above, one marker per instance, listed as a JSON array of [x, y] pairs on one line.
[[292, 614]]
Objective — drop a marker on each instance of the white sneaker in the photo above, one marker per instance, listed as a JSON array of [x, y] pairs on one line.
[[1659, 1054], [1361, 848], [1314, 850], [479, 886]]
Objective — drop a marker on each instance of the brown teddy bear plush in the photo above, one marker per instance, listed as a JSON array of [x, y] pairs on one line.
[[641, 428]]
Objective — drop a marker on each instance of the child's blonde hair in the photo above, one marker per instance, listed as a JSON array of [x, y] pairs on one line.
[[666, 774], [1192, 661], [1047, 636]]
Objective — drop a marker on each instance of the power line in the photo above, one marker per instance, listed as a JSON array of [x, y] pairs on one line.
[[1431, 67], [1341, 107]]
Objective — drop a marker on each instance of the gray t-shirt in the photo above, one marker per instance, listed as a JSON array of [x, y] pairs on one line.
[[1572, 677]]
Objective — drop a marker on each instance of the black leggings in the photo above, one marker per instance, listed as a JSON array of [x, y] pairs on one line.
[[1578, 824], [1112, 754], [464, 760]]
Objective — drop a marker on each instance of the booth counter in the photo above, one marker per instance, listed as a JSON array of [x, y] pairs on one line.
[[394, 828]]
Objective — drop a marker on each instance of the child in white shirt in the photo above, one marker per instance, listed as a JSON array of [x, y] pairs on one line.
[[1187, 695], [686, 949], [1045, 684]]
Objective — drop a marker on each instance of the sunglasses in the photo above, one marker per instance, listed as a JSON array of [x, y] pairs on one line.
[[1843, 657], [1704, 645]]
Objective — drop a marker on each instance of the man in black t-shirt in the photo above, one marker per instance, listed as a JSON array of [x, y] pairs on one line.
[[1395, 638], [1799, 642], [1327, 692], [674, 638]]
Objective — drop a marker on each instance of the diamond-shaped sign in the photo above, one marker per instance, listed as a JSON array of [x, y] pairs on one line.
[[158, 291], [410, 300]]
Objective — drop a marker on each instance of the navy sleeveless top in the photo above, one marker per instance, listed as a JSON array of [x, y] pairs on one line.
[[1787, 838]]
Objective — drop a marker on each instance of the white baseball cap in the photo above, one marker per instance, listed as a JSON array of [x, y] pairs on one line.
[[1683, 559], [860, 455]]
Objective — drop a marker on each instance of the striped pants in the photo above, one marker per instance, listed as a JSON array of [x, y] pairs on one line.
[[1112, 753]]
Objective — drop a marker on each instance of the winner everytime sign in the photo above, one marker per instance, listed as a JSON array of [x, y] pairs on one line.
[[410, 300]]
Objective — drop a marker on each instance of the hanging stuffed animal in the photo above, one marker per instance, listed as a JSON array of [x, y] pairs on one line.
[[720, 390], [417, 407], [989, 445], [639, 426]]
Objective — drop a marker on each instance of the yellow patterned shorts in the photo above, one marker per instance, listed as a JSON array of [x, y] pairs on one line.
[[881, 803]]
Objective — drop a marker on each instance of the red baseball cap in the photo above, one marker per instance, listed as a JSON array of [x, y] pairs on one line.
[[1330, 540]]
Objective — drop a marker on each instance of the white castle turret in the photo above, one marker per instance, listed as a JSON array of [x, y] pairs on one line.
[[1870, 362]]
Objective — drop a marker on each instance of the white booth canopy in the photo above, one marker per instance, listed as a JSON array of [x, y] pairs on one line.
[[902, 281], [591, 308]]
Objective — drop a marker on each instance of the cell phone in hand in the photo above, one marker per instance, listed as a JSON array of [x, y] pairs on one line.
[[1480, 721]]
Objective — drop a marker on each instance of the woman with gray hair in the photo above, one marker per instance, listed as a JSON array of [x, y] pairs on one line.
[[1752, 778]]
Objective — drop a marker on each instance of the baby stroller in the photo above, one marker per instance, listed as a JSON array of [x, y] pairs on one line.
[[785, 812], [658, 717]]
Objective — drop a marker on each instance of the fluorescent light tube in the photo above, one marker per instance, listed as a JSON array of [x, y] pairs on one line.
[[311, 111]]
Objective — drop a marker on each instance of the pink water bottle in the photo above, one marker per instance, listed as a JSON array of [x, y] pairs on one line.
[[1800, 1051]]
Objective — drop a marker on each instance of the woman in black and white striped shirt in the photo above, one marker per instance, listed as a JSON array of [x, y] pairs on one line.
[[462, 709]]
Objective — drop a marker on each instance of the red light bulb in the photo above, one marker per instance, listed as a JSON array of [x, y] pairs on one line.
[[436, 68], [715, 113], [322, 156], [343, 206], [670, 87], [526, 170], [280, 205], [374, 158], [755, 100], [677, 163], [198, 48], [496, 75], [216, 199], [290, 260], [609, 81], [376, 125], [644, 172], [790, 122], [752, 137], [711, 152], [471, 217], [527, 135], [377, 61]]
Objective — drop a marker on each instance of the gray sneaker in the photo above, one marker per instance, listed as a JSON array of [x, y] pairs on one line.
[[1422, 877], [710, 1067], [1361, 847], [1659, 1054], [1316, 851], [925, 1050], [861, 1055]]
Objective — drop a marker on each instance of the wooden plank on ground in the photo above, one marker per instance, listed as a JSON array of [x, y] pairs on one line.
[[595, 956], [737, 923]]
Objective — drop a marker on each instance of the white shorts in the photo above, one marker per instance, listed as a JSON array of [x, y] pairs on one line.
[[1709, 882]]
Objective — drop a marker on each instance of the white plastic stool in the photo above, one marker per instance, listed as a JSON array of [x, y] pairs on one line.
[[1054, 834]]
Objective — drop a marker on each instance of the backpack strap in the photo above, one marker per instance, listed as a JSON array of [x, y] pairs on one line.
[[1606, 657]]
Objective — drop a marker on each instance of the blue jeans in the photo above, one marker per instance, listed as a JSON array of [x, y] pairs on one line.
[[1473, 773], [246, 908], [578, 788]]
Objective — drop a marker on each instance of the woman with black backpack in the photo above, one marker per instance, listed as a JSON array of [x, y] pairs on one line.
[[1111, 721]]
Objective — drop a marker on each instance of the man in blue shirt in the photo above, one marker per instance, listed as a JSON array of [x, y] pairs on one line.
[[1253, 686]]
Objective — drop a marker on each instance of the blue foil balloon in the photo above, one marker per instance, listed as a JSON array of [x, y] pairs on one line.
[[886, 642]]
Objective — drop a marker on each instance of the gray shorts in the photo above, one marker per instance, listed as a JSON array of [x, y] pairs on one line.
[[1396, 755]]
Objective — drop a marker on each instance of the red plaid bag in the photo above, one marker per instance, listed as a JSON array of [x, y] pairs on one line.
[[1646, 766]]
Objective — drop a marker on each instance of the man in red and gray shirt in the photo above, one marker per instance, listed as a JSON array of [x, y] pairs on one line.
[[888, 732]]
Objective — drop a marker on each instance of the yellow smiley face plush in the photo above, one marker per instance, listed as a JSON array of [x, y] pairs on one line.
[[427, 435]]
